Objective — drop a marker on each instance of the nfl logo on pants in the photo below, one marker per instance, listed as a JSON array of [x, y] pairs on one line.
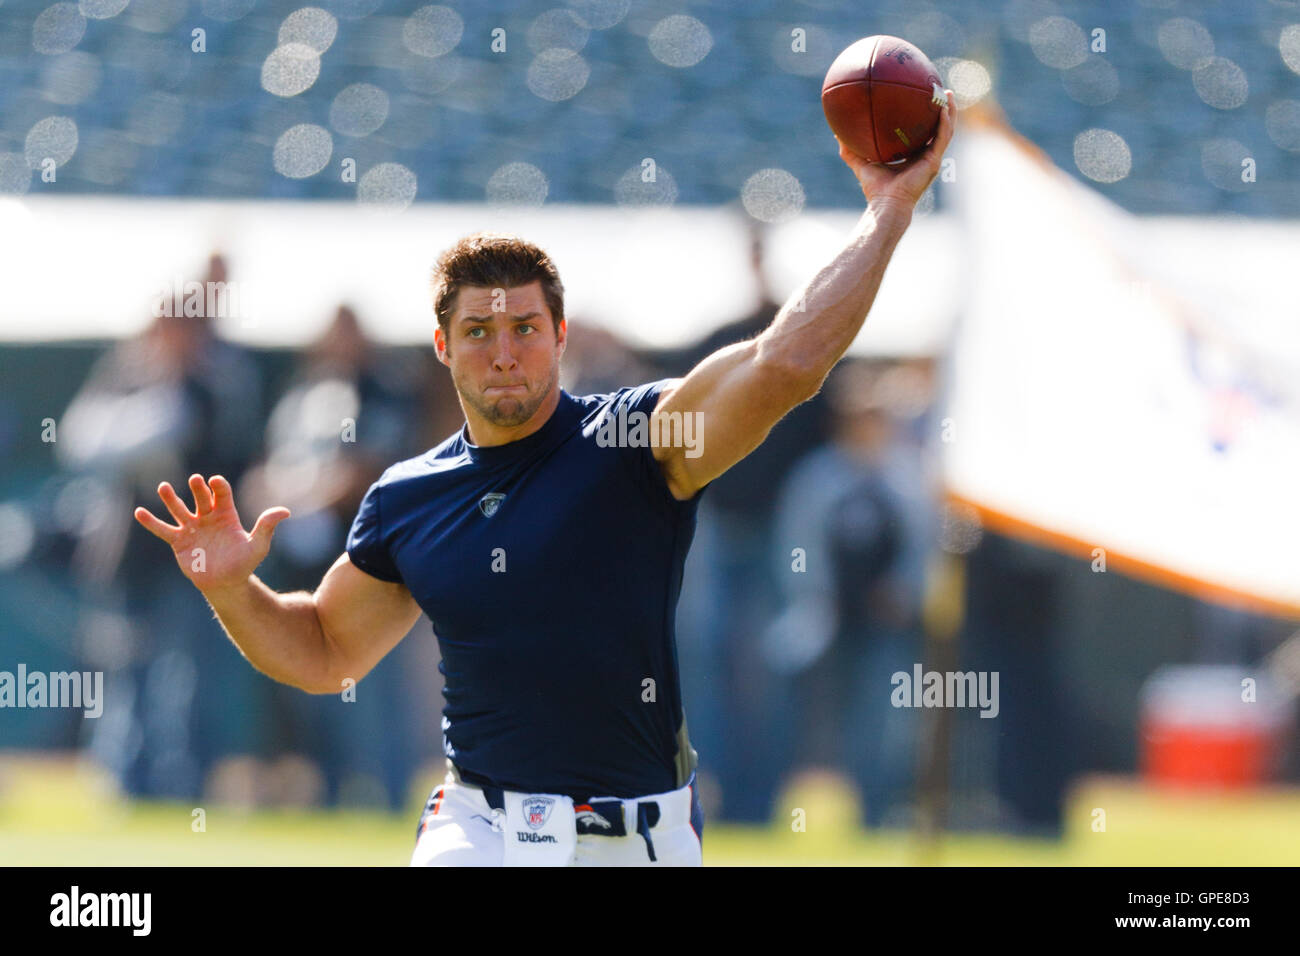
[[536, 811]]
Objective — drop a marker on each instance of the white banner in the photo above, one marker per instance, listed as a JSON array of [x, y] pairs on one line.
[[94, 267], [1127, 384]]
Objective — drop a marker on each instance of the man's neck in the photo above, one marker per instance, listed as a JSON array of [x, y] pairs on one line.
[[485, 434]]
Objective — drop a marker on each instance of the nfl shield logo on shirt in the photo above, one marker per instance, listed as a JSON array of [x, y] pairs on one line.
[[536, 810], [490, 502]]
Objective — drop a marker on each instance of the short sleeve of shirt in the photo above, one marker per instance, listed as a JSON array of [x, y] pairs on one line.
[[367, 548], [641, 458]]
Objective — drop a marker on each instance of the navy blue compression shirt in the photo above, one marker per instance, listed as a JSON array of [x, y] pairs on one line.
[[550, 568]]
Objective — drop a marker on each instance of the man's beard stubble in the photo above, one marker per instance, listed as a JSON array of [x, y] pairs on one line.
[[508, 411]]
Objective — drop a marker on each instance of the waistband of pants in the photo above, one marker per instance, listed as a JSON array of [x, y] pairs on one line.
[[670, 809]]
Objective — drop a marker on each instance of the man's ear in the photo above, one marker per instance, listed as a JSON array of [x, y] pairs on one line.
[[562, 335], [440, 345]]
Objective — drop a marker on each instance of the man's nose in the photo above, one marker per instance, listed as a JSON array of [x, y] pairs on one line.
[[504, 358]]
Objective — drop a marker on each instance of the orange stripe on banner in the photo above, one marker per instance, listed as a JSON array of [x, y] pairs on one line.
[[988, 114], [1013, 527]]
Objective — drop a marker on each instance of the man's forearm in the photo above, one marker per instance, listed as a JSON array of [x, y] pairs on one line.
[[279, 634], [819, 322]]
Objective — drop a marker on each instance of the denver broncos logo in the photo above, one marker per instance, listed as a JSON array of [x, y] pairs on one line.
[[588, 816]]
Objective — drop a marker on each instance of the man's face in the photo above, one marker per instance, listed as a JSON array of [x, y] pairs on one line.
[[503, 351]]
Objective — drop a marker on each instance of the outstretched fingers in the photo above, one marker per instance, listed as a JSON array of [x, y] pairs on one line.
[[156, 526], [222, 496], [267, 521], [202, 495], [174, 504]]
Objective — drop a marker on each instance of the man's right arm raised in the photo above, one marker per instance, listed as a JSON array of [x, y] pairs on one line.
[[311, 641]]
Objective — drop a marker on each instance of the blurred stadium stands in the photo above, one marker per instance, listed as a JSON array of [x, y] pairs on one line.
[[582, 93]]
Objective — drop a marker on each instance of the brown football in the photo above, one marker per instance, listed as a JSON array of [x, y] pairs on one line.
[[882, 98]]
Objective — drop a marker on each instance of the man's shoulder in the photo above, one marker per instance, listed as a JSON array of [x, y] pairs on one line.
[[629, 396], [447, 456]]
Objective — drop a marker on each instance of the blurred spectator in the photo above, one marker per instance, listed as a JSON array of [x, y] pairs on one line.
[[349, 412], [176, 400], [596, 361], [853, 531], [728, 592]]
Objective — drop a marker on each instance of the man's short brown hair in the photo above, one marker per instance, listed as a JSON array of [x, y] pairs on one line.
[[494, 260]]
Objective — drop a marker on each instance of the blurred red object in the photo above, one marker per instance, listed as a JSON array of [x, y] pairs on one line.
[[1212, 727]]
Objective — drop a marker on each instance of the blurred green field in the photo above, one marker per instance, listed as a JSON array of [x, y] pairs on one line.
[[63, 813]]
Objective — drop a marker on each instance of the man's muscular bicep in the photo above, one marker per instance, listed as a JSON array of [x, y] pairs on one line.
[[736, 395], [362, 618]]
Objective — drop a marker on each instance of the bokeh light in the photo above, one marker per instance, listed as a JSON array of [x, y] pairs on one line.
[[15, 174], [1185, 43], [17, 535], [517, 184], [680, 41], [557, 74], [54, 137], [1058, 42], [310, 26], [101, 9], [433, 31], [1282, 122], [772, 195], [290, 69], [1094, 82], [359, 109], [632, 189], [389, 187], [155, 16], [352, 9], [1221, 83], [58, 28], [1288, 44], [558, 28], [302, 150], [969, 81], [1222, 162], [600, 14], [1102, 155]]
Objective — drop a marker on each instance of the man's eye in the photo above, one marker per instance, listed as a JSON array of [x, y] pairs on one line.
[[527, 328], [474, 332]]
